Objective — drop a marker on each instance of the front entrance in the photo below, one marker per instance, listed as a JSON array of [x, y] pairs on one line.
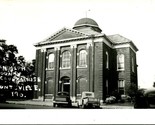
[[65, 84]]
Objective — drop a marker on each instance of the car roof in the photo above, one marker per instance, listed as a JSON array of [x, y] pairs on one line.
[[145, 91], [150, 90]]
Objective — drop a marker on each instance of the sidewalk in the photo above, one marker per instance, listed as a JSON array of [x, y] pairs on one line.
[[50, 103], [32, 102], [104, 106]]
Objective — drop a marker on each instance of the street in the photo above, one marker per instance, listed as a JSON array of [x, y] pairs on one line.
[[25, 106], [35, 106]]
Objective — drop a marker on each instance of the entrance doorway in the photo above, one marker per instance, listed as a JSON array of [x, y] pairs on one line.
[[65, 84]]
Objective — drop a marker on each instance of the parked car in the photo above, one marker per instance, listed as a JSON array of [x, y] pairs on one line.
[[62, 99], [145, 98], [110, 100], [125, 98], [88, 100]]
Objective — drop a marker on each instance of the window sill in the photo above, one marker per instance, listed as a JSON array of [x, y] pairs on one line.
[[81, 67], [120, 70], [65, 68], [49, 69]]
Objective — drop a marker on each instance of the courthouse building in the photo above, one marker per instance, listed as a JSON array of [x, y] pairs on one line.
[[85, 59]]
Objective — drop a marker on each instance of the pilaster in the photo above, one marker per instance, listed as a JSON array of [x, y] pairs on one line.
[[43, 58], [56, 69], [74, 70], [89, 63], [37, 93]]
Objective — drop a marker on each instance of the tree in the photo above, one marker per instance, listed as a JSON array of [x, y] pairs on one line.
[[27, 71], [154, 84], [131, 89], [14, 69], [7, 62]]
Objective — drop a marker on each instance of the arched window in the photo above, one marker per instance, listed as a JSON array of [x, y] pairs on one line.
[[51, 61], [66, 59], [82, 58], [107, 60], [120, 62]]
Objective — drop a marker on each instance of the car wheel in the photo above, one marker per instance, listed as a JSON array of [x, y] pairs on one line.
[[83, 105], [135, 106], [147, 104], [97, 107], [54, 105], [78, 105], [69, 105]]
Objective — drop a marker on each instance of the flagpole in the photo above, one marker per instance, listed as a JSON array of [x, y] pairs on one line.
[[87, 12]]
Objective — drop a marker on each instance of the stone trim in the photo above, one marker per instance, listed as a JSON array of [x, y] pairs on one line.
[[73, 46], [126, 45], [43, 49]]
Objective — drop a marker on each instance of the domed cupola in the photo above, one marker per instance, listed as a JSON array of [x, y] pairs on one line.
[[85, 23]]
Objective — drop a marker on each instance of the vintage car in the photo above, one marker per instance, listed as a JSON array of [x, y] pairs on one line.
[[145, 98], [2, 97], [110, 100], [88, 100], [62, 99]]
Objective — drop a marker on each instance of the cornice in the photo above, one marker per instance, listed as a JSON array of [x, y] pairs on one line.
[[87, 39], [68, 40], [50, 40]]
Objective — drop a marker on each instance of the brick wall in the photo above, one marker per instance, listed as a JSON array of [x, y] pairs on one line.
[[98, 73], [127, 74], [96, 77]]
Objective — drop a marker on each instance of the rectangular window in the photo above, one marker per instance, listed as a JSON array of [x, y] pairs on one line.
[[107, 87], [120, 62], [121, 86], [133, 65], [107, 60]]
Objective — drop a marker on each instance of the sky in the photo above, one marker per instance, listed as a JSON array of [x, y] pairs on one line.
[[26, 22]]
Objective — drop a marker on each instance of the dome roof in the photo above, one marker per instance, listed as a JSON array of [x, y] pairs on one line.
[[86, 22]]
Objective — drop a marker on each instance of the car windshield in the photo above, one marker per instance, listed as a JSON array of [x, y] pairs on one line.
[[88, 94]]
